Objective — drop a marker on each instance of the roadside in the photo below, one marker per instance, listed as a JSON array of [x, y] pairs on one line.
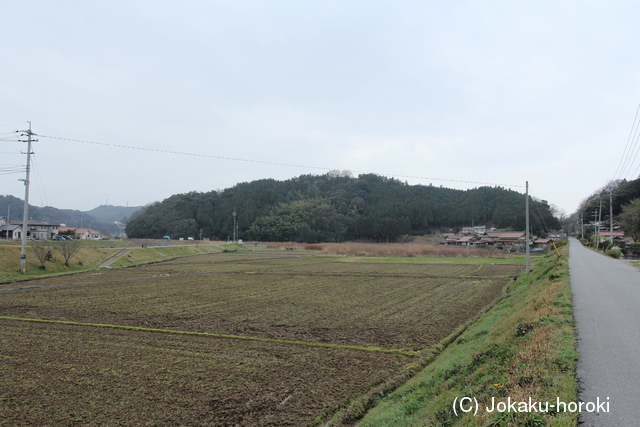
[[606, 299], [522, 350]]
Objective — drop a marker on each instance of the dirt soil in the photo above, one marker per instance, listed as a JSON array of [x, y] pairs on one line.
[[55, 374]]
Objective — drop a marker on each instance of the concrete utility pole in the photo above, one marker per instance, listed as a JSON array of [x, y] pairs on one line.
[[599, 220], [25, 216], [611, 215], [527, 232], [234, 225]]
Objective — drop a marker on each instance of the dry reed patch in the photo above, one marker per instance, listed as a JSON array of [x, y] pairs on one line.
[[399, 249]]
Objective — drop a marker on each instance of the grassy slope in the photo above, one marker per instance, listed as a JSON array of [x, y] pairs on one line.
[[523, 347], [91, 255]]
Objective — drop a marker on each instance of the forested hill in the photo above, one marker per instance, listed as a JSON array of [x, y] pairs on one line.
[[334, 207]]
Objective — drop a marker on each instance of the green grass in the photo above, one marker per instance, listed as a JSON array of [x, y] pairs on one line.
[[91, 255], [523, 347], [144, 255]]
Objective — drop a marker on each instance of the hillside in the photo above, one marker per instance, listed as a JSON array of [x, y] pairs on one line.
[[623, 192], [101, 218], [335, 207]]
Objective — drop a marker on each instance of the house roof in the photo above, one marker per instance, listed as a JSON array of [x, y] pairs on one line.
[[86, 230], [10, 227], [543, 240], [511, 235], [34, 222], [616, 233]]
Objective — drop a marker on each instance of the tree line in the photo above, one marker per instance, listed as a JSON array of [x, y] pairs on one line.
[[618, 199], [335, 207]]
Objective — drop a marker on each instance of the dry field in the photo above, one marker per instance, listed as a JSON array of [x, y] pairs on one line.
[[225, 339]]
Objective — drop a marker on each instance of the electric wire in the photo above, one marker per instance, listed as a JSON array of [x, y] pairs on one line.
[[39, 182], [157, 150], [623, 160], [630, 158]]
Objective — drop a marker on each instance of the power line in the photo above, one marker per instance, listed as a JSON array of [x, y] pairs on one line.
[[631, 150], [157, 150]]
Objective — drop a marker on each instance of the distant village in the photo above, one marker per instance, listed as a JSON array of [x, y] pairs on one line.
[[477, 236], [37, 230], [515, 240]]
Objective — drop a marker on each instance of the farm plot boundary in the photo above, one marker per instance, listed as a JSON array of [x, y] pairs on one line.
[[379, 326]]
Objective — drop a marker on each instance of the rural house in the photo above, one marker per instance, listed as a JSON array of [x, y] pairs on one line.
[[39, 230], [10, 231], [82, 233]]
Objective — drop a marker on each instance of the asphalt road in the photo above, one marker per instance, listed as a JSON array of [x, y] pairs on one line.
[[606, 304]]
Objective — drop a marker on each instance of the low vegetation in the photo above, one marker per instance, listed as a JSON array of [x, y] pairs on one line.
[[521, 349], [402, 250], [47, 258]]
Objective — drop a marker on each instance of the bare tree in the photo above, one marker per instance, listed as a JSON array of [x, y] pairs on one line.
[[68, 249], [42, 249]]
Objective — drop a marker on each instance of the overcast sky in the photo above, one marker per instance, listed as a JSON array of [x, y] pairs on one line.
[[498, 92]]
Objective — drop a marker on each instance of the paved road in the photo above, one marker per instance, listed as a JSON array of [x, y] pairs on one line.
[[606, 303]]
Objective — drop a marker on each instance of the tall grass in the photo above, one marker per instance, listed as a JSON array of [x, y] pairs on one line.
[[393, 249]]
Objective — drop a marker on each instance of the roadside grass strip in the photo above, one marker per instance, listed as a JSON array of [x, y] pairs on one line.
[[520, 354], [408, 353]]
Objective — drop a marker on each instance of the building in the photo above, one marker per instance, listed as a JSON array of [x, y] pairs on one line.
[[10, 231], [39, 230], [82, 233]]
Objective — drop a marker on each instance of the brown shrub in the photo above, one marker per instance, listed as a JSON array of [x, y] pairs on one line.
[[399, 249]]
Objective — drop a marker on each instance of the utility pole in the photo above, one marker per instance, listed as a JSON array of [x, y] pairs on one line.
[[611, 215], [527, 232], [25, 216], [599, 221], [581, 224], [234, 225]]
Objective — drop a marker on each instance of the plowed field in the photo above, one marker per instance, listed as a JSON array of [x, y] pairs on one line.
[[260, 339]]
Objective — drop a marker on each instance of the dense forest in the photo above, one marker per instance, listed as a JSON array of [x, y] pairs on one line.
[[335, 207]]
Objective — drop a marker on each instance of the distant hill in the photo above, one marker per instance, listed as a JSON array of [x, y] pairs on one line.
[[335, 207], [110, 213], [101, 218]]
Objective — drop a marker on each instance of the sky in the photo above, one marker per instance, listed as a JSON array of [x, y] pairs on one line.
[[134, 101]]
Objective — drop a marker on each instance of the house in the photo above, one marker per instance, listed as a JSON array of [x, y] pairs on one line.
[[87, 233], [467, 230], [82, 233], [478, 229], [38, 230], [10, 231], [542, 243], [469, 240]]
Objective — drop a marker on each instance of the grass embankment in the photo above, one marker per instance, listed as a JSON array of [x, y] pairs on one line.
[[91, 254], [523, 348]]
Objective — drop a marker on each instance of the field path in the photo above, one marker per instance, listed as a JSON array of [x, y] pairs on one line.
[[606, 303], [114, 258]]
